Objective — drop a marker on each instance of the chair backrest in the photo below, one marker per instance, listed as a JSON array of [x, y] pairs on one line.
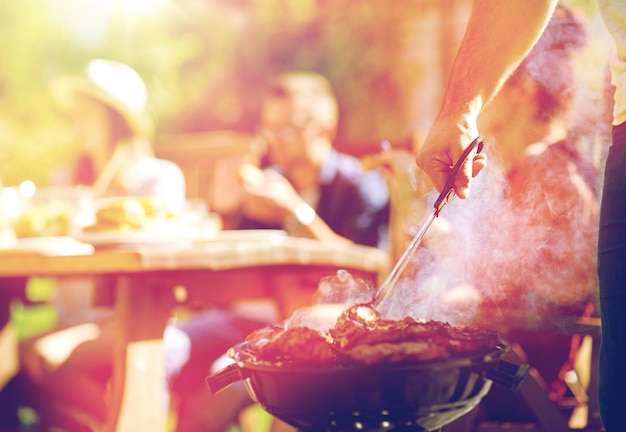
[[208, 157]]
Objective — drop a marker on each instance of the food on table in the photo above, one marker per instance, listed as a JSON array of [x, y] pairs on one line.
[[155, 208], [393, 342], [126, 213], [129, 213], [39, 219]]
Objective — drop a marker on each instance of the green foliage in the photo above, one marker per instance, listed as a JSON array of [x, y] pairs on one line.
[[206, 62]]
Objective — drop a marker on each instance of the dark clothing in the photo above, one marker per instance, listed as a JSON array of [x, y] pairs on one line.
[[353, 203], [612, 274]]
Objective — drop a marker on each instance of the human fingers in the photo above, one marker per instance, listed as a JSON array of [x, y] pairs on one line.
[[473, 165], [480, 163]]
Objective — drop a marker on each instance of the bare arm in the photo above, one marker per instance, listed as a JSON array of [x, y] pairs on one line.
[[500, 33], [272, 199]]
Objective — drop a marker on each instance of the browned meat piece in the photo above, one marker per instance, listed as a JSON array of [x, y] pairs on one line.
[[392, 342], [407, 341], [258, 338], [465, 340], [298, 345]]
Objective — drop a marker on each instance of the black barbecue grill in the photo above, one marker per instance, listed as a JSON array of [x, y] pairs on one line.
[[415, 397]]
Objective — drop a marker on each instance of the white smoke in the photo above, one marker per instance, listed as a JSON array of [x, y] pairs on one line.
[[533, 251]]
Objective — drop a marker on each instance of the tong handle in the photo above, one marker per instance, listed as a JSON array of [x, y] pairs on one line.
[[448, 193]]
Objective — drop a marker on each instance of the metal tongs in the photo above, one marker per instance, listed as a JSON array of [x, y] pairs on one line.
[[367, 314]]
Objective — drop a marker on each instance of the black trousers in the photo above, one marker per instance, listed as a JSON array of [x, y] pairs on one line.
[[612, 278]]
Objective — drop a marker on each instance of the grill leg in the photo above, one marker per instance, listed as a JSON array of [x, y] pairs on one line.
[[533, 391]]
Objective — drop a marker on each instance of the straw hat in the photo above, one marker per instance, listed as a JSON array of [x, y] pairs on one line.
[[116, 85]]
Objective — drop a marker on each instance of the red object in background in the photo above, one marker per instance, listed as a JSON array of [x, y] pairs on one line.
[[85, 171]]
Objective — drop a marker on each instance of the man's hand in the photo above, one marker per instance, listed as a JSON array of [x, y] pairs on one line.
[[442, 149], [270, 197], [496, 41]]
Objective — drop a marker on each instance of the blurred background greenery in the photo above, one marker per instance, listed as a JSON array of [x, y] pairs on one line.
[[205, 63]]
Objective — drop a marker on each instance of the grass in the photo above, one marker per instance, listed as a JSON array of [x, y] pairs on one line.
[[253, 419], [40, 315]]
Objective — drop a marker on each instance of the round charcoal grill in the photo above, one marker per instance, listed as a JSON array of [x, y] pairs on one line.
[[416, 397]]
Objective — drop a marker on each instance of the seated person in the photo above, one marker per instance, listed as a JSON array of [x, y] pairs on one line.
[[310, 190], [67, 370]]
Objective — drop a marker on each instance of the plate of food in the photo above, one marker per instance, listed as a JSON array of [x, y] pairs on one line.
[[133, 221]]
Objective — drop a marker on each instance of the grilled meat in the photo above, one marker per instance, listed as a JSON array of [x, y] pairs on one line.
[[300, 345], [392, 342]]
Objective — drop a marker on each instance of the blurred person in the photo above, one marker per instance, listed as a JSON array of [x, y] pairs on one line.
[[299, 121], [67, 370], [107, 110], [495, 43], [308, 189], [114, 158]]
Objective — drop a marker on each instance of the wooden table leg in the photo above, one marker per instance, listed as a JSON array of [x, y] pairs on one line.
[[138, 391]]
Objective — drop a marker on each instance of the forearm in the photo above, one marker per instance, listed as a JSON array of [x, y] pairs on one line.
[[500, 33], [303, 221]]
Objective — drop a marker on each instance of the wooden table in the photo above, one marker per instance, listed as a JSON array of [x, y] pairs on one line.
[[146, 282]]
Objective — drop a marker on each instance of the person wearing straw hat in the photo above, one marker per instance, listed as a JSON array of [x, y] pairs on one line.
[[115, 158], [107, 107]]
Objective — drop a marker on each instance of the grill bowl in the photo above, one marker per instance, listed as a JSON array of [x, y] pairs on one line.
[[422, 396]]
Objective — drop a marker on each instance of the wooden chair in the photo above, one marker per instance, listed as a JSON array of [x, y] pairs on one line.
[[205, 156]]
